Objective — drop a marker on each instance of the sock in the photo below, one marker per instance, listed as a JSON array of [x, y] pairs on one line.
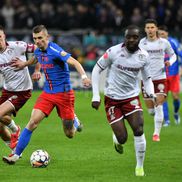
[[13, 126], [166, 111], [23, 141], [176, 104], [158, 119], [115, 140], [140, 148], [76, 122]]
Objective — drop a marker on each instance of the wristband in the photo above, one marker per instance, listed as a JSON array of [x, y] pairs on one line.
[[84, 76]]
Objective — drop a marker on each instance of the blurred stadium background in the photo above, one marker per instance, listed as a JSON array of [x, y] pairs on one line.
[[86, 28]]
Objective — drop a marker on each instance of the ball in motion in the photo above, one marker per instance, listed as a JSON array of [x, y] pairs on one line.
[[39, 158]]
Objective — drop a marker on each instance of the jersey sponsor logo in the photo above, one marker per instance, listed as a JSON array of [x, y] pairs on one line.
[[5, 65], [44, 66], [155, 51], [127, 68], [63, 53]]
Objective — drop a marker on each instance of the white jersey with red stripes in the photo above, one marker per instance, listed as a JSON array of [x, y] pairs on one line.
[[157, 50], [15, 80], [122, 80]]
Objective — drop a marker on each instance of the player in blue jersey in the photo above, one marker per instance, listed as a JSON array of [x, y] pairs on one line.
[[57, 88], [173, 78]]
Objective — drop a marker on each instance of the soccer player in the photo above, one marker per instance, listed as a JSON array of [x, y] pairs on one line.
[[57, 88], [173, 78], [17, 86], [157, 48], [124, 63]]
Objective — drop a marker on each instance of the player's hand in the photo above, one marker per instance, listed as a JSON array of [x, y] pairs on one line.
[[167, 63], [86, 82], [36, 76], [17, 63], [96, 104]]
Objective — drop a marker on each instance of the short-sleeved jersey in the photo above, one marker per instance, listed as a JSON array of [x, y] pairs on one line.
[[15, 80], [157, 50], [55, 67], [122, 80], [174, 68]]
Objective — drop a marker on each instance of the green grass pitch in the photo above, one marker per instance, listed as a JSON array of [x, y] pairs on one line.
[[90, 156]]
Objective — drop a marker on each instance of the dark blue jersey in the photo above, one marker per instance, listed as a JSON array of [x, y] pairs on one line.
[[54, 64]]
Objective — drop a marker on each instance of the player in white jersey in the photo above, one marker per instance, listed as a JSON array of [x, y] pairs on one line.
[[157, 48], [17, 86], [124, 63]]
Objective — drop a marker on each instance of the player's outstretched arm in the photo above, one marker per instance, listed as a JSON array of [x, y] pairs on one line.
[[19, 64], [95, 87], [85, 80]]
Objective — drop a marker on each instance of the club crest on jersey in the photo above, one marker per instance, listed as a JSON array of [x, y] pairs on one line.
[[161, 87], [63, 53], [141, 57], [135, 103]]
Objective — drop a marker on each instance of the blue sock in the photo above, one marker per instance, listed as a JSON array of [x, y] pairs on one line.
[[176, 104], [166, 111], [23, 141]]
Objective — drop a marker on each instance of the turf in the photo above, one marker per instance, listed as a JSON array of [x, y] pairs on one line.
[[90, 156]]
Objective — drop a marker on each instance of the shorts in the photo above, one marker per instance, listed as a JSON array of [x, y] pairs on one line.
[[173, 83], [17, 99], [160, 87], [63, 101], [118, 109]]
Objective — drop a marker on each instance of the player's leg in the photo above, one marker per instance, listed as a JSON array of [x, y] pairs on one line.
[[150, 106], [6, 109], [136, 122], [120, 135], [176, 106], [36, 117], [159, 117], [166, 114], [5, 134], [175, 90]]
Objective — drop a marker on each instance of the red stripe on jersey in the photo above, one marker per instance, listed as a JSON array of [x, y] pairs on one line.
[[47, 77]]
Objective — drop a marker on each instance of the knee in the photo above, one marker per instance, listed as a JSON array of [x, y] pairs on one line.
[[32, 124], [151, 111], [122, 138], [138, 130]]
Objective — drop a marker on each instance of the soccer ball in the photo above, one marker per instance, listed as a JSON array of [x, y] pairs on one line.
[[39, 158]]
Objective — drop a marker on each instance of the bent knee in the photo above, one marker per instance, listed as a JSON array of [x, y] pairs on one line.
[[122, 139]]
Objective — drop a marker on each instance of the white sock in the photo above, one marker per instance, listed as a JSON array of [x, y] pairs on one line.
[[13, 126], [140, 148], [115, 139], [158, 119]]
